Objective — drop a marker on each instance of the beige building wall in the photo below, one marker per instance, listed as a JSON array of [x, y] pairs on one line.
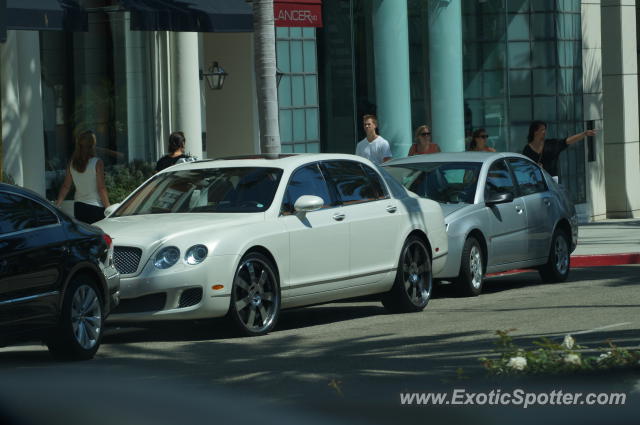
[[620, 89], [231, 113], [596, 205]]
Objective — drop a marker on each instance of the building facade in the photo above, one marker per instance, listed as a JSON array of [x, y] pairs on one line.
[[455, 65]]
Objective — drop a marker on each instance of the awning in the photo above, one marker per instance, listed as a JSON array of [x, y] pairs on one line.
[[39, 15], [190, 15], [298, 13]]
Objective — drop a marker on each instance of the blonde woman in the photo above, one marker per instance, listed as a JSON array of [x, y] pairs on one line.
[[423, 143], [86, 172]]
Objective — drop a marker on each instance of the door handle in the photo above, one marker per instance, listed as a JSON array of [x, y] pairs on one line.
[[391, 209], [547, 202], [518, 209], [338, 217]]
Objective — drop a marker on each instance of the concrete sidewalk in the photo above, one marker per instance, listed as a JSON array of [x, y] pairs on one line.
[[607, 243]]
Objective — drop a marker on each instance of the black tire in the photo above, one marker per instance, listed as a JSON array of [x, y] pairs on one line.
[[255, 296], [559, 262], [469, 281], [80, 328], [413, 285]]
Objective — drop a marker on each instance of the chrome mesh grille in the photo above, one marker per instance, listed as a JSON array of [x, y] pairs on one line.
[[126, 259]]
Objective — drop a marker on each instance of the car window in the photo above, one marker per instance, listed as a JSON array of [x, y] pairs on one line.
[[445, 182], [20, 213], [351, 181], [377, 183], [528, 176], [499, 180], [206, 190], [307, 180]]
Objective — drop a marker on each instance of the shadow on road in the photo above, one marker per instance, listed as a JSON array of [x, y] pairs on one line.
[[361, 377]]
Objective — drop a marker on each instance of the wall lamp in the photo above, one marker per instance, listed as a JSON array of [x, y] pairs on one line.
[[215, 77], [279, 75]]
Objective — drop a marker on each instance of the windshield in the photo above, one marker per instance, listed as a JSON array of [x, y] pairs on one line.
[[213, 190], [445, 182]]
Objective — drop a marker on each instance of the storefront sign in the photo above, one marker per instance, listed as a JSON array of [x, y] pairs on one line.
[[298, 13]]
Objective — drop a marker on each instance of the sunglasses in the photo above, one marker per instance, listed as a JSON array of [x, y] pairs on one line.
[[425, 134]]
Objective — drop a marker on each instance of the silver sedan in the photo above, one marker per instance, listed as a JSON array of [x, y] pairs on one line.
[[502, 212]]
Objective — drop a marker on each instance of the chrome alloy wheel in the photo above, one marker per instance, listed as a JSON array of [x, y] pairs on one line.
[[86, 317], [416, 273], [475, 266], [256, 295], [561, 253]]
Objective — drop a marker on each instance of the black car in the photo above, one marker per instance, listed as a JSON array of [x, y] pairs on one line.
[[57, 278]]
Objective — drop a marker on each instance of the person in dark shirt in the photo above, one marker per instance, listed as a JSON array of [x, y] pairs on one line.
[[176, 151], [546, 152]]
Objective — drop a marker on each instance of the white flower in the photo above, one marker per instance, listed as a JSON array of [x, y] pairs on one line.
[[604, 356], [517, 363], [568, 342], [573, 359]]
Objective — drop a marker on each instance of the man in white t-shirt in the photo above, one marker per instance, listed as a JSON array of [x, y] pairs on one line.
[[373, 147]]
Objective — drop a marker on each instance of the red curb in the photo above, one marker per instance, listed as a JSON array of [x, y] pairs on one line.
[[581, 261], [508, 272], [605, 260]]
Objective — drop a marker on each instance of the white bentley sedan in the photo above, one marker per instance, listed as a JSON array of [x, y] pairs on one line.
[[247, 237]]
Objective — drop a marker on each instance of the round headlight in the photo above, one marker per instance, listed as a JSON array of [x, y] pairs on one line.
[[196, 254], [167, 257]]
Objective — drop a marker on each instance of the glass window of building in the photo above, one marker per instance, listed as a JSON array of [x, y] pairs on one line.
[[522, 62], [96, 80], [298, 89]]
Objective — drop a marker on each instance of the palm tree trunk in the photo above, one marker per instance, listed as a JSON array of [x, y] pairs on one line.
[[265, 67]]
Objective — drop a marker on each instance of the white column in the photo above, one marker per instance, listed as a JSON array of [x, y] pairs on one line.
[[596, 208], [11, 128], [393, 94], [620, 88], [31, 125], [185, 96], [139, 138], [445, 68]]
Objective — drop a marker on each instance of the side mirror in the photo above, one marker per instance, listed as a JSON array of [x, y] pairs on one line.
[[308, 203], [111, 209], [499, 198]]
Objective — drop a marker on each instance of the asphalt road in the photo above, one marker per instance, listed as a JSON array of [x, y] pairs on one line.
[[349, 361]]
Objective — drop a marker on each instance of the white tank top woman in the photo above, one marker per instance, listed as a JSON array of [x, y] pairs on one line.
[[86, 184]]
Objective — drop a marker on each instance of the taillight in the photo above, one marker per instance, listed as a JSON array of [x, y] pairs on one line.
[[107, 239]]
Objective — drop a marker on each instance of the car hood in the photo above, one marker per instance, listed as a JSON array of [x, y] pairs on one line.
[[448, 209], [155, 229]]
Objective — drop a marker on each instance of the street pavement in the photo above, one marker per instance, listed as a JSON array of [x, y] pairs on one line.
[[608, 243], [348, 362]]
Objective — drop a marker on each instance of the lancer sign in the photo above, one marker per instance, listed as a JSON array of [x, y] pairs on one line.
[[298, 13]]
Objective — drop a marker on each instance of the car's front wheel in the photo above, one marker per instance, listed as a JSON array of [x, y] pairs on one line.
[[412, 287], [81, 322], [255, 296], [469, 281], [558, 263]]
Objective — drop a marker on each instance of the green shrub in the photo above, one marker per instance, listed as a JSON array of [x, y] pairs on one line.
[[551, 357], [122, 179]]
